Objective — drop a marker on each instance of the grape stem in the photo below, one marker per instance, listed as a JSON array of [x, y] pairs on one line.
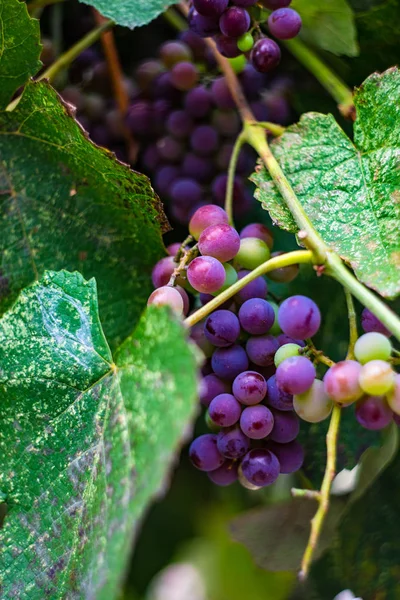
[[318, 354], [186, 256], [240, 140], [323, 499], [38, 4], [311, 494], [272, 128], [353, 333], [284, 260]]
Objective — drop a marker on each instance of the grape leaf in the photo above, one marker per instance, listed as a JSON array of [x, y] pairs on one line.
[[67, 204], [350, 191], [328, 25], [19, 47], [85, 441], [131, 13]]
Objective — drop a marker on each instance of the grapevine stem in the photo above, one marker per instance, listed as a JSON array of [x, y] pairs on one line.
[[353, 335], [272, 128], [175, 19], [241, 139], [300, 493], [318, 354], [36, 4], [284, 260], [319, 517]]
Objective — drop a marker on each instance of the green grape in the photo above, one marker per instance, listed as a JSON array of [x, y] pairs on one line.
[[314, 405], [377, 378], [238, 63], [275, 329], [252, 253], [372, 346], [245, 42], [231, 277], [286, 351], [393, 397]]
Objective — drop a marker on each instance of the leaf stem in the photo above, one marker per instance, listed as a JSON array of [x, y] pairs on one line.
[[284, 260], [353, 333], [240, 140], [174, 19], [35, 4], [272, 128], [300, 493], [319, 517]]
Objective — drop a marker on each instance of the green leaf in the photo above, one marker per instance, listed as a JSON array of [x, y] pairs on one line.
[[20, 47], [131, 13], [328, 25], [350, 191], [67, 204], [85, 442]]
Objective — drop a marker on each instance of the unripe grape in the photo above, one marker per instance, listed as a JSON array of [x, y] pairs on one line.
[[245, 42], [275, 329], [286, 351], [372, 346], [393, 396], [231, 277], [252, 253], [377, 378], [257, 230], [283, 274], [204, 217], [341, 382], [167, 296], [314, 405]]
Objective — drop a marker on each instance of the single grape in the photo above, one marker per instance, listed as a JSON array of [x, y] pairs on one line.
[[227, 46], [265, 55], [245, 42], [206, 274], [205, 217], [255, 289], [164, 179], [249, 388], [203, 26], [221, 94], [286, 351], [179, 124], [290, 456], [195, 43], [341, 382], [173, 249], [197, 334], [234, 22], [257, 230], [151, 158], [140, 118], [377, 378], [167, 296], [261, 349], [162, 271], [314, 405], [283, 274], [285, 339], [256, 422], [220, 185], [210, 387], [252, 82], [225, 475], [227, 363], [369, 323], [198, 102], [220, 241], [373, 412], [225, 410], [222, 328], [210, 8], [252, 253], [275, 329], [372, 346], [147, 72], [260, 467], [295, 375], [184, 76], [286, 426], [393, 396], [174, 52], [170, 149], [204, 454], [284, 23], [299, 317], [231, 277], [256, 316], [232, 443], [204, 140], [186, 192], [260, 110], [276, 397], [185, 298], [238, 63], [197, 168], [227, 123]]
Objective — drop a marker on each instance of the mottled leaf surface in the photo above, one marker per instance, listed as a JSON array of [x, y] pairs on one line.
[[67, 204], [131, 13], [350, 191], [328, 25], [85, 442], [19, 47]]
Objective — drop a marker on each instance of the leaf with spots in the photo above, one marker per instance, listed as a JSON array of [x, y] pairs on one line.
[[131, 13], [86, 441], [67, 204], [19, 47], [349, 190]]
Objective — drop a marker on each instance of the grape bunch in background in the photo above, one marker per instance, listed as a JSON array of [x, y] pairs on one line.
[[236, 30], [259, 377]]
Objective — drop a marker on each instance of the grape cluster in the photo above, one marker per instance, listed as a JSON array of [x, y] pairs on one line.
[[235, 27]]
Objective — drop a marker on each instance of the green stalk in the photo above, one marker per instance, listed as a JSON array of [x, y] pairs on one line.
[[240, 140]]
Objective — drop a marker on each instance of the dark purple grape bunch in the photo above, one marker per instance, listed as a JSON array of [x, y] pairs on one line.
[[236, 29]]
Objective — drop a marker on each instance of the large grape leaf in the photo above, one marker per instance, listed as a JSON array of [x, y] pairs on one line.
[[350, 191], [131, 13], [67, 204], [328, 25], [85, 440], [19, 47]]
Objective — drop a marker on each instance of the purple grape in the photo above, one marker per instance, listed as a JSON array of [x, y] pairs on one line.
[[198, 102], [232, 443], [244, 3], [205, 217], [373, 412], [260, 110], [173, 249], [167, 296], [295, 375], [140, 118], [163, 89], [204, 454], [165, 177], [274, 4], [226, 474], [276, 397], [151, 158], [286, 339], [256, 316], [234, 22], [206, 274], [224, 410], [227, 123], [197, 334], [147, 72], [290, 456], [210, 8], [255, 289], [252, 82], [99, 135], [279, 109], [256, 422], [286, 426], [260, 467], [173, 52], [197, 168], [299, 317], [396, 419], [261, 349], [161, 110], [186, 192], [220, 241], [203, 26], [283, 274], [212, 386], [185, 298], [284, 23], [265, 55], [369, 322], [179, 124], [195, 43], [228, 363], [227, 46], [162, 271], [184, 76], [341, 382], [170, 149], [221, 94], [204, 140], [222, 328], [249, 388], [219, 187], [206, 369]]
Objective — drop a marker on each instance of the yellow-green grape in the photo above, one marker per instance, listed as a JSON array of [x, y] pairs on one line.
[[372, 346], [314, 405], [245, 42], [252, 253], [275, 329], [286, 351], [238, 63], [230, 279], [393, 397], [377, 378]]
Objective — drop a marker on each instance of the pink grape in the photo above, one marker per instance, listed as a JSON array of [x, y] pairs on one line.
[[220, 241], [206, 274], [167, 296], [204, 217], [341, 382]]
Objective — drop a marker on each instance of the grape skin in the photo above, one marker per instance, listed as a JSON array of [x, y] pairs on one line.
[[377, 378], [295, 375], [260, 467], [373, 412], [314, 405], [204, 454], [372, 346], [341, 382]]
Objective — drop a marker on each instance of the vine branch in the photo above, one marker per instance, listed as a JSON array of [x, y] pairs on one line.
[[353, 333], [240, 140]]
